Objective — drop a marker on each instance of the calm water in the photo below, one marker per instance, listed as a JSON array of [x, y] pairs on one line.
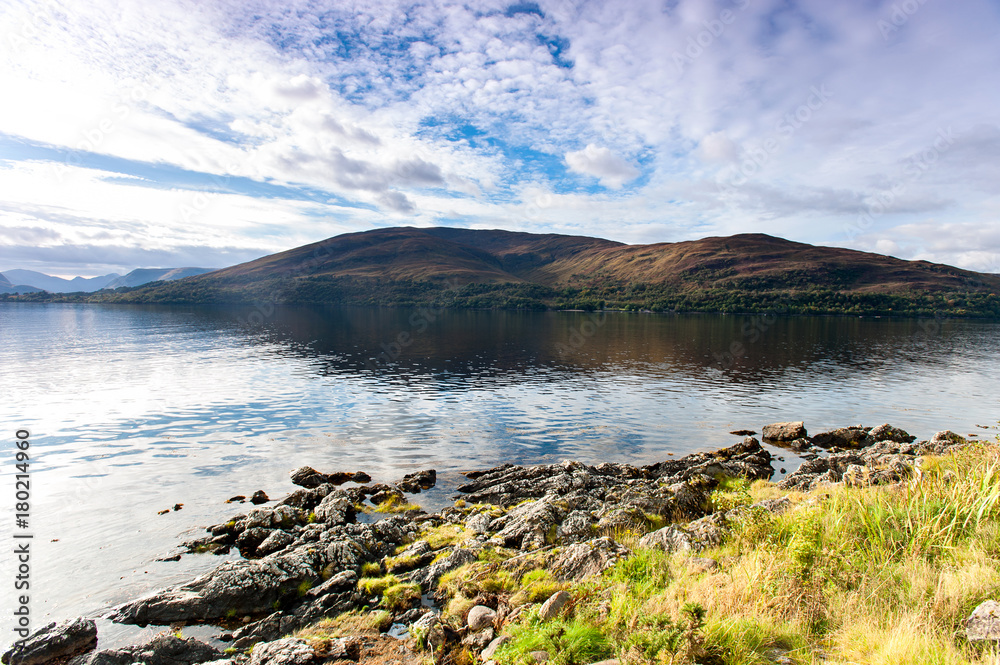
[[135, 409]]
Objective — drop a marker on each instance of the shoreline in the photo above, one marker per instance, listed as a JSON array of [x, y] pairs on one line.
[[327, 549]]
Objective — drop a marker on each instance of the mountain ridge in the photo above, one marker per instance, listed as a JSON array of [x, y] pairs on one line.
[[505, 269]]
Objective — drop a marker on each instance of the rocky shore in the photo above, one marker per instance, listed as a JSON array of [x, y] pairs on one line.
[[453, 581]]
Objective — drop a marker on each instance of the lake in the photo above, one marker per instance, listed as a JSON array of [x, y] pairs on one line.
[[134, 409]]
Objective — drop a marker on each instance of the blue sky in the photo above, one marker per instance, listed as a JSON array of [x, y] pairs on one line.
[[139, 134]]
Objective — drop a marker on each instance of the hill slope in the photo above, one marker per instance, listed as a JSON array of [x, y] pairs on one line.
[[461, 267]]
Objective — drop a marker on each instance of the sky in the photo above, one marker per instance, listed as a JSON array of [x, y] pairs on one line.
[[138, 134]]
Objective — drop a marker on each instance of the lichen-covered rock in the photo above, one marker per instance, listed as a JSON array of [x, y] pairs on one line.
[[668, 539], [289, 651], [492, 647], [56, 640], [784, 431], [278, 540], [478, 523], [530, 525], [243, 586], [984, 622], [479, 640], [427, 577], [164, 649], [335, 508], [592, 557]]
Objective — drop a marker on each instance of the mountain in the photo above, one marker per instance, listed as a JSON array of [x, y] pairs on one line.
[[7, 287], [41, 281], [479, 268], [141, 276]]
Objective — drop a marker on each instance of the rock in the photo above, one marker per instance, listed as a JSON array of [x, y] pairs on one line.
[[984, 622], [492, 647], [702, 564], [241, 586], [531, 524], [784, 431], [278, 540], [56, 640], [553, 606], [343, 648], [887, 432], [414, 482], [361, 477], [388, 494], [239, 498], [479, 640], [335, 509], [743, 432], [164, 649], [478, 523], [259, 497], [308, 477], [577, 526], [427, 577], [609, 661], [289, 651], [668, 539], [429, 629], [844, 437], [480, 617], [592, 557], [539, 656]]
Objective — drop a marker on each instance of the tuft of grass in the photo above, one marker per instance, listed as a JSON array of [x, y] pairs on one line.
[[401, 596], [535, 587], [443, 536], [346, 624], [304, 587], [572, 642], [396, 505], [401, 563], [371, 569], [376, 586]]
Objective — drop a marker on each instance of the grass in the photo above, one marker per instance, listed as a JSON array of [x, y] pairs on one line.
[[444, 536], [401, 596], [376, 586], [881, 575], [395, 504]]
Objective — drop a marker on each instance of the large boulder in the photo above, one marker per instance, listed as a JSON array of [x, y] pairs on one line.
[[56, 640], [164, 649], [242, 586], [784, 431]]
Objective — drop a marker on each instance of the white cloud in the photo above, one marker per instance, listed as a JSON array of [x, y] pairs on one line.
[[612, 170]]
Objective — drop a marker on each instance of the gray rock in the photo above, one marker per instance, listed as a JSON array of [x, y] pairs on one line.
[[844, 437], [414, 482], [56, 640], [553, 606], [479, 640], [335, 509], [578, 525], [308, 477], [784, 431], [164, 649], [887, 432], [539, 656], [530, 525], [289, 651], [592, 557], [669, 539], [278, 540], [427, 577], [429, 629], [480, 617], [478, 523], [243, 586], [492, 647], [984, 622]]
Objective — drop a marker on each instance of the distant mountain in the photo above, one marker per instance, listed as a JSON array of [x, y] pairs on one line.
[[44, 282], [41, 282], [472, 268], [141, 276]]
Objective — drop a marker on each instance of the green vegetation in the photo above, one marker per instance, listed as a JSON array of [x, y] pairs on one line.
[[864, 575], [792, 295], [376, 586]]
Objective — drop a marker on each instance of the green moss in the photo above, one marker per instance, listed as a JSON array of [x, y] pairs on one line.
[[371, 569], [304, 587], [401, 563]]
